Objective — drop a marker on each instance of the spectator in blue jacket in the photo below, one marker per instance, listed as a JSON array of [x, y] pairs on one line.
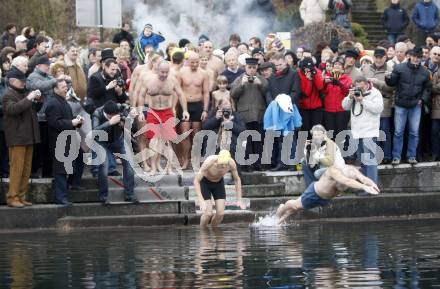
[[146, 38], [425, 17], [395, 20]]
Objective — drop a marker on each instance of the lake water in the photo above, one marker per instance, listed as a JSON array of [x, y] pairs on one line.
[[403, 254]]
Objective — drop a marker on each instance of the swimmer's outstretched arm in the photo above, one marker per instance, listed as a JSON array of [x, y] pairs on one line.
[[339, 177]]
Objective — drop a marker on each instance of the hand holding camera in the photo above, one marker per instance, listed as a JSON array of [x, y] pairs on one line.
[[115, 119], [34, 95], [112, 84], [78, 121]]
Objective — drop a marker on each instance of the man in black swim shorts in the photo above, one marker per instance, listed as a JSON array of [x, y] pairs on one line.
[[209, 183]]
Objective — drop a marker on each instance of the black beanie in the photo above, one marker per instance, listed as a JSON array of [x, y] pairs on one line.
[[110, 107]]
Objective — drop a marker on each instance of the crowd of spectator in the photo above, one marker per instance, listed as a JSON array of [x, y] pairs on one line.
[[48, 86]]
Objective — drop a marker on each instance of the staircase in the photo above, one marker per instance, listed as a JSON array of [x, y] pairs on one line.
[[365, 13]]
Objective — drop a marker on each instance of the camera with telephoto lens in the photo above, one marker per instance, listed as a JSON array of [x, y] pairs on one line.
[[124, 111], [251, 79], [357, 92], [120, 81], [227, 113]]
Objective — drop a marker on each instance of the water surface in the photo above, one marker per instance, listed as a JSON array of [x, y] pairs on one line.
[[357, 255]]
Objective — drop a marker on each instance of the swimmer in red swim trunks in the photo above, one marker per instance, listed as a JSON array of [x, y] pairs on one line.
[[161, 95]]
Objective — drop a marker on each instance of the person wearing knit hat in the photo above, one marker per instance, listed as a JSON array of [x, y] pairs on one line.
[[148, 38], [209, 183], [202, 39], [183, 42], [258, 53], [351, 56]]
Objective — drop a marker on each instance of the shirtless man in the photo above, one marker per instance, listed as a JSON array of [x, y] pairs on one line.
[[209, 182], [214, 63], [204, 59], [195, 85], [160, 91], [334, 181], [140, 76]]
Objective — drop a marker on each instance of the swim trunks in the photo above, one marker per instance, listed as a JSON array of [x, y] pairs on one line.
[[310, 199], [195, 110], [217, 190], [162, 129]]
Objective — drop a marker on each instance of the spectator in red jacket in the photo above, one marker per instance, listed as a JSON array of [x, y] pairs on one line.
[[336, 86], [310, 103]]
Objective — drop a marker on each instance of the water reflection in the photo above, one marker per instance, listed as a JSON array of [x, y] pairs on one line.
[[380, 255]]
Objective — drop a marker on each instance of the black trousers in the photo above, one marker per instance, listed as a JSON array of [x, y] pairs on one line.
[[42, 156], [311, 117], [4, 155], [336, 121], [252, 146]]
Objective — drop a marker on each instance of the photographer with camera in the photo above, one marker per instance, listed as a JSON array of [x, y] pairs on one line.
[[227, 124], [249, 92], [21, 133], [320, 153], [108, 119], [107, 84], [60, 118], [310, 103], [366, 104]]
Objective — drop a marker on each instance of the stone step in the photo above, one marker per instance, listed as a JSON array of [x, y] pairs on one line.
[[41, 190], [129, 209], [68, 223], [351, 206], [249, 191]]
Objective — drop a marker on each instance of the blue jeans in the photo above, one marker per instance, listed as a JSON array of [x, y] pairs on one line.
[[366, 154], [111, 163], [309, 176], [392, 37], [128, 173], [387, 145], [401, 117], [435, 138], [61, 186]]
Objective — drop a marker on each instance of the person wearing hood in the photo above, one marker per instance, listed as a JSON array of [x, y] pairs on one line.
[[413, 92], [395, 20], [147, 38], [425, 17]]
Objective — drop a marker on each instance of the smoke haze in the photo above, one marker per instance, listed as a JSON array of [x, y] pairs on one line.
[[215, 18]]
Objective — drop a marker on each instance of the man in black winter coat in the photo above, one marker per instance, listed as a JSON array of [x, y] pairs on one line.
[[103, 85], [413, 93], [284, 80], [395, 20], [60, 119]]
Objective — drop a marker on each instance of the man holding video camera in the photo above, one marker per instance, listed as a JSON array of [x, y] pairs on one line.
[[366, 104], [249, 93], [110, 118]]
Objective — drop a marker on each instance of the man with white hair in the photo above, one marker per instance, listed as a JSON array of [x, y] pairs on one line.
[[232, 70], [335, 181], [401, 48], [21, 43], [21, 63], [214, 63]]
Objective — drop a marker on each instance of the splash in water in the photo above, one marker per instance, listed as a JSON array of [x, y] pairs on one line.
[[267, 221]]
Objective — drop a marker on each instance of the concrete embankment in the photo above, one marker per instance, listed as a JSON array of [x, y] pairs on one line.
[[408, 192]]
